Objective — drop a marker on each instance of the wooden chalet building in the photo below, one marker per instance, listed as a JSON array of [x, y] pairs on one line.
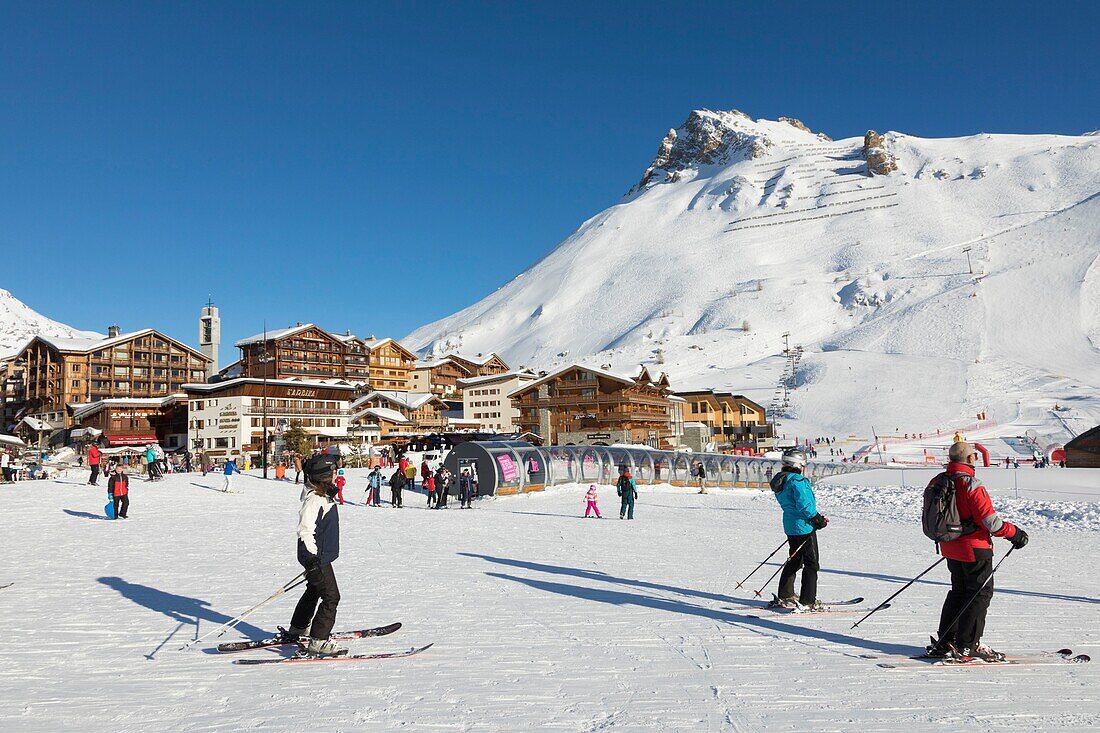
[[57, 372], [481, 365], [390, 365], [581, 404], [731, 420], [305, 351], [439, 377], [132, 422], [423, 412]]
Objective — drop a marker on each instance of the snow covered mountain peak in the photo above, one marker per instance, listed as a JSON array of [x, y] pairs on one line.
[[927, 280], [709, 138], [19, 323]]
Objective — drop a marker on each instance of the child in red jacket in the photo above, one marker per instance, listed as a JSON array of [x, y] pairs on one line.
[[340, 482]]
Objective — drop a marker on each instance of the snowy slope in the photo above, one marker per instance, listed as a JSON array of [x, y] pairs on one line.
[[19, 323], [743, 230], [542, 621]]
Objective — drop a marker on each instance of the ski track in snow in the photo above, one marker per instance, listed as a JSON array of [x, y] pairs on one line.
[[541, 620]]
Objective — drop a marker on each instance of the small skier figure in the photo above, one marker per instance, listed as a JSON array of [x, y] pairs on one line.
[[340, 482], [228, 471], [590, 498], [118, 488], [374, 487], [318, 548], [628, 490], [801, 521]]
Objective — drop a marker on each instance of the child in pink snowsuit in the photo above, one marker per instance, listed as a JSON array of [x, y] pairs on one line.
[[590, 497]]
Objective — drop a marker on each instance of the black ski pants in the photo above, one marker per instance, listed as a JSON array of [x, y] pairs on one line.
[[395, 495], [91, 479], [804, 556], [966, 583], [122, 506], [442, 500], [325, 590]]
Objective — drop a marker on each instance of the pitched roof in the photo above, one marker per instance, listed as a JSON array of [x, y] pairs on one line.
[[274, 335], [491, 378], [558, 372], [96, 344], [408, 400], [481, 360], [383, 413], [81, 410]]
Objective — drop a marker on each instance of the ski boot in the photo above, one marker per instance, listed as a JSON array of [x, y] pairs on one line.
[[318, 648], [289, 636], [937, 649], [791, 602], [815, 607], [986, 654]]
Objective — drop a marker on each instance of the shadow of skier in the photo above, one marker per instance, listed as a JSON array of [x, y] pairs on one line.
[[182, 609]]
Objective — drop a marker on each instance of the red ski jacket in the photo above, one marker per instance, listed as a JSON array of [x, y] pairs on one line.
[[93, 456], [974, 506]]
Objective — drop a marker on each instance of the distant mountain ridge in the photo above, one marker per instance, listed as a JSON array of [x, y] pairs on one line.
[[742, 230], [19, 323]]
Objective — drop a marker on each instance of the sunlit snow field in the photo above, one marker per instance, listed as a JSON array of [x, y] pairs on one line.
[[541, 620]]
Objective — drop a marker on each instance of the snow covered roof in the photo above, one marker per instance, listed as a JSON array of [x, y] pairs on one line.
[[37, 425], [558, 372], [480, 360], [383, 413], [272, 335], [82, 410], [12, 441], [216, 386], [491, 378], [408, 400], [97, 344]]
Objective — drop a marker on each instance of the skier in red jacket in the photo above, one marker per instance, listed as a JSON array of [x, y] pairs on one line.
[[970, 559]]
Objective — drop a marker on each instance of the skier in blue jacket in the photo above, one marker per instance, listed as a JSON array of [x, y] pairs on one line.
[[801, 521]]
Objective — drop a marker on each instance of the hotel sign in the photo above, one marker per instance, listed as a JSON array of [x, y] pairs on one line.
[[229, 418], [301, 393]]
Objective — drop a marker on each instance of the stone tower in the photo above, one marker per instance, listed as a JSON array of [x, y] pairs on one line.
[[210, 335]]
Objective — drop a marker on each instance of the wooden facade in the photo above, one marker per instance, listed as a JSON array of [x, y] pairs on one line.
[[439, 377], [481, 365], [734, 421], [121, 422], [305, 351], [142, 364], [424, 412], [390, 365], [581, 404]]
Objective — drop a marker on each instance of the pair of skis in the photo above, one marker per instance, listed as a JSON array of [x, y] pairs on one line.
[[1061, 656], [274, 642], [830, 608]]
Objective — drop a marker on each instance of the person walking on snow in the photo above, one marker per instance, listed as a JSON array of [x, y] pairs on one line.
[[228, 471], [318, 548], [628, 490], [425, 470], [151, 463], [801, 521], [340, 483], [442, 487], [701, 474], [118, 488], [410, 476], [94, 458], [591, 497], [374, 487], [397, 483], [429, 488], [970, 560], [466, 490]]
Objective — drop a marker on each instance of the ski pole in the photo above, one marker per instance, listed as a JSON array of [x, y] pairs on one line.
[[887, 601], [292, 583], [769, 557], [976, 593], [789, 558]]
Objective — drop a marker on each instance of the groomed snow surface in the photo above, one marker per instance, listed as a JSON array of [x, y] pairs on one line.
[[541, 620]]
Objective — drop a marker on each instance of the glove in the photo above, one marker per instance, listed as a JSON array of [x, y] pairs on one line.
[[1019, 539], [313, 571], [818, 521]]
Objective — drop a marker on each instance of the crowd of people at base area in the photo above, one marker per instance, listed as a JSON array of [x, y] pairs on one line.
[[25, 466]]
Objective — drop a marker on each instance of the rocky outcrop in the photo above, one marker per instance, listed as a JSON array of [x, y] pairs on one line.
[[706, 138], [879, 160]]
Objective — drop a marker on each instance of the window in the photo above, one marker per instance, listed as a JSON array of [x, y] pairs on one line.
[[76, 384]]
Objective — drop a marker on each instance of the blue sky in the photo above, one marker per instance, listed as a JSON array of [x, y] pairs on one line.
[[376, 166]]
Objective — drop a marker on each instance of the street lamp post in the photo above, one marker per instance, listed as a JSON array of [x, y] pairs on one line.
[[264, 360], [969, 266]]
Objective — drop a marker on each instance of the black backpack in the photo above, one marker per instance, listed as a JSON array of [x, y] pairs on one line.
[[940, 517]]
